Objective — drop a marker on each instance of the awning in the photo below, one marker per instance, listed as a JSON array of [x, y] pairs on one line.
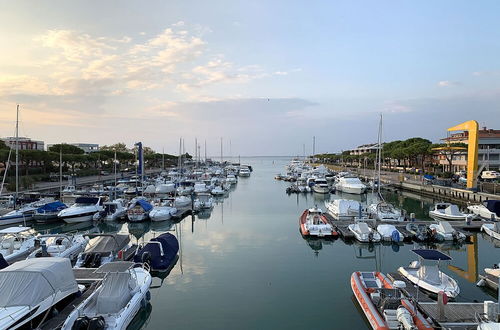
[[431, 254]]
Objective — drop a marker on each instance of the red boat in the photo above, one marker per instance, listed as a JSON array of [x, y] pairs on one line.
[[382, 302], [314, 223]]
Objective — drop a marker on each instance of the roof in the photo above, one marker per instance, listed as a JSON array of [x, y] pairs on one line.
[[431, 254]]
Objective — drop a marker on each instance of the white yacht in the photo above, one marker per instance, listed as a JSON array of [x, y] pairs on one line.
[[113, 211], [200, 187], [445, 232], [164, 189], [350, 185], [384, 211], [22, 215], [31, 287], [163, 211], [344, 209], [428, 277], [364, 233], [447, 211], [489, 210], [231, 179], [16, 242], [59, 245], [218, 191], [115, 302], [83, 209], [321, 186], [182, 202], [390, 233]]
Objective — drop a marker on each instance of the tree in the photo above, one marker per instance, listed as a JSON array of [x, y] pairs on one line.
[[118, 147], [3, 146], [449, 150], [67, 149]]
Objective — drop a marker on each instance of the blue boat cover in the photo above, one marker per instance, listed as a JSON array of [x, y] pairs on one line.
[[428, 177], [144, 204], [86, 200], [170, 247], [493, 206], [52, 207], [431, 254]]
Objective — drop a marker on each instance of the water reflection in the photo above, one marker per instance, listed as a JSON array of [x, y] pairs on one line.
[[316, 244], [141, 319]]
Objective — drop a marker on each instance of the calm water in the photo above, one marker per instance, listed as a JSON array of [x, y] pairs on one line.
[[246, 266]]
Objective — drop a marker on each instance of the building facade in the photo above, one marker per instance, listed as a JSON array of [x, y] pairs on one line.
[[488, 151], [364, 149], [25, 143]]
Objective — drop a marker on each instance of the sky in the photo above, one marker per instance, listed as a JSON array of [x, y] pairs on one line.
[[265, 76]]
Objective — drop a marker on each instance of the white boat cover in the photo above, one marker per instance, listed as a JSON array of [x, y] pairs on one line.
[[14, 230], [363, 228], [344, 205], [453, 210], [446, 227], [115, 293], [28, 282], [429, 274]]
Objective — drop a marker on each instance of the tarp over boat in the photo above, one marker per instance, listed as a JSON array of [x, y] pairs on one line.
[[143, 204], [493, 206], [170, 246], [111, 243], [28, 282], [52, 207]]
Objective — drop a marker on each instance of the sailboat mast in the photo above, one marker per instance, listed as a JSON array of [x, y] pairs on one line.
[[379, 153], [60, 171], [205, 150], [221, 158], [17, 152], [114, 168]]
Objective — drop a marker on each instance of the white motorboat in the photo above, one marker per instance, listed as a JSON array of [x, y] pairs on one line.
[[163, 211], [313, 223], [428, 277], [384, 211], [390, 233], [22, 215], [218, 191], [321, 186], [204, 202], [59, 245], [83, 209], [150, 190], [16, 242], [445, 232], [31, 287], [490, 175], [244, 172], [364, 233], [350, 185], [113, 211], [200, 187], [448, 211], [489, 210], [492, 229], [231, 178], [164, 189], [344, 209], [182, 202], [115, 303], [102, 249]]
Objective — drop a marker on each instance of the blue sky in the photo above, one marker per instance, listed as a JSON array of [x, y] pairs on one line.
[[267, 75]]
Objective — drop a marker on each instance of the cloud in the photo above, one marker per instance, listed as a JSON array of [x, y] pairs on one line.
[[448, 83]]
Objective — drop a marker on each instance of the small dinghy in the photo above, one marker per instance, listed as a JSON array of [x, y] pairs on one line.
[[31, 287], [314, 223], [445, 232], [389, 233], [383, 304], [364, 233], [421, 232], [492, 229], [16, 243], [447, 211], [103, 248], [59, 245], [114, 304], [160, 253], [428, 277]]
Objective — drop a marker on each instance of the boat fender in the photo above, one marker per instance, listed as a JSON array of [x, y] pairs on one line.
[[81, 323], [120, 255], [404, 317], [148, 295], [481, 282], [395, 236]]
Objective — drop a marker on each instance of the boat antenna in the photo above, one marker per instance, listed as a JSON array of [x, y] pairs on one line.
[[60, 171], [5, 172]]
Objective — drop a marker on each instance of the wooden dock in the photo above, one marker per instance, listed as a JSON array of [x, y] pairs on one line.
[[457, 315]]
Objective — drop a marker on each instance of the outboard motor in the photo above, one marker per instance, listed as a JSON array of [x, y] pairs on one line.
[[86, 260], [3, 262], [59, 241], [37, 243], [97, 323], [81, 323], [96, 262], [44, 250]]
